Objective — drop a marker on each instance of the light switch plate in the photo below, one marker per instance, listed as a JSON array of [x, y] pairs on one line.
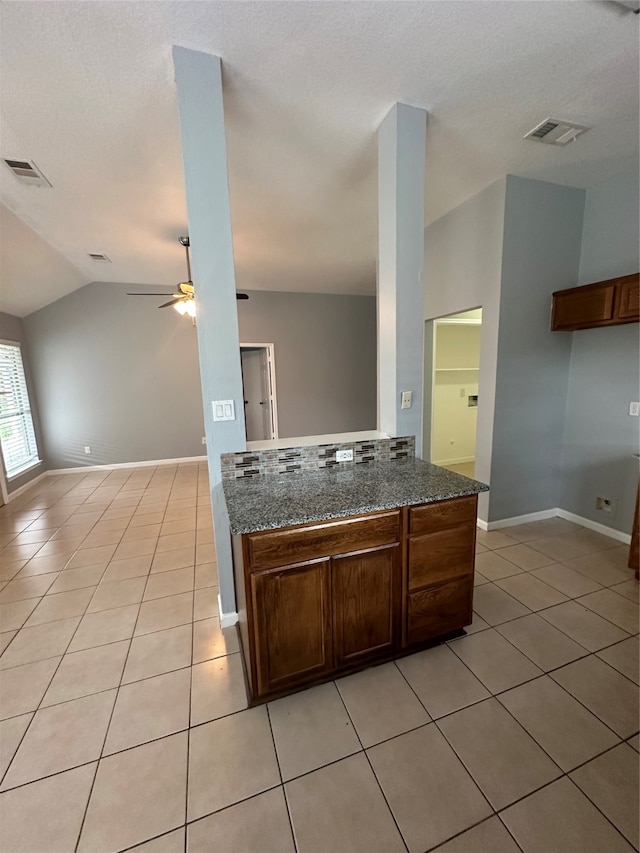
[[406, 399], [634, 409], [223, 410]]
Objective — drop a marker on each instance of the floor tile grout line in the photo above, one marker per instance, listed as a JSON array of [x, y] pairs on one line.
[[106, 609], [577, 787], [189, 717], [282, 783], [541, 611], [368, 760], [596, 612], [593, 653], [561, 775]]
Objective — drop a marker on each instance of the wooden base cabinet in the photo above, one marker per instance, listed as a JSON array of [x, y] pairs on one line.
[[366, 605], [319, 599], [292, 623]]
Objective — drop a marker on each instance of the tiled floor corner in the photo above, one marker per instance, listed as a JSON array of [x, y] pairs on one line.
[[124, 721]]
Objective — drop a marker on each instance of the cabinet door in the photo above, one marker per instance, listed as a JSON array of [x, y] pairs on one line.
[[582, 307], [628, 299], [292, 611], [366, 604]]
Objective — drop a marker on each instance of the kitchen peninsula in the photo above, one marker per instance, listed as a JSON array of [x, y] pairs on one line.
[[347, 565]]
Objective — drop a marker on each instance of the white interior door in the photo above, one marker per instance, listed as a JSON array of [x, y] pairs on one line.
[[258, 379]]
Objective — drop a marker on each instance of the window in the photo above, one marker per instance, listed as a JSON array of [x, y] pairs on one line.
[[17, 437]]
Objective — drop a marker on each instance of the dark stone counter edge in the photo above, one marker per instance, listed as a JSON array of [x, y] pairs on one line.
[[356, 509]]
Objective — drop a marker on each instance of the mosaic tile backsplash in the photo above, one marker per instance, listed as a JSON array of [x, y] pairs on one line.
[[291, 459]]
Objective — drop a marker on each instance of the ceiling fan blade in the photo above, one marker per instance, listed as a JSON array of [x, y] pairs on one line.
[[173, 301], [242, 295]]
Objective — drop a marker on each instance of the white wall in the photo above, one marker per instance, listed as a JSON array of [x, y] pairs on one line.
[[113, 372], [325, 355], [541, 253], [599, 435], [463, 267], [31, 271]]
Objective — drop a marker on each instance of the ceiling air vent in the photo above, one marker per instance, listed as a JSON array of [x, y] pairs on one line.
[[555, 132], [99, 258], [27, 172]]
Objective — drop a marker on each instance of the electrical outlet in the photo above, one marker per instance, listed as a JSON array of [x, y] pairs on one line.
[[607, 505], [344, 455], [634, 409], [204, 439], [405, 399], [87, 449]]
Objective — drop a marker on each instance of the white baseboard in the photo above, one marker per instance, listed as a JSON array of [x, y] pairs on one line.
[[557, 512], [87, 469], [519, 519], [227, 620], [594, 525], [12, 495], [457, 461]]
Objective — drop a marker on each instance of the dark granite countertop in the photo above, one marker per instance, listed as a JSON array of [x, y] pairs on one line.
[[282, 500]]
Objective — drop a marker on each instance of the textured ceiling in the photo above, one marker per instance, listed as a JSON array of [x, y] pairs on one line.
[[87, 92]]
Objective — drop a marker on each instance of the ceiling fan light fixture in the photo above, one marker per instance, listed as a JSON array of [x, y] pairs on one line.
[[180, 307]]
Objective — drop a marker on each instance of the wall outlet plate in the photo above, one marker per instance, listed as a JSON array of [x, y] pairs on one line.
[[634, 409], [223, 410], [405, 399], [87, 449], [608, 505], [344, 455]]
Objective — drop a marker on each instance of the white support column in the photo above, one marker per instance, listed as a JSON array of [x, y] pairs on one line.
[[401, 188], [199, 91]]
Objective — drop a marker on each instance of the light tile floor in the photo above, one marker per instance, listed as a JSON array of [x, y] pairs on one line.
[[123, 718]]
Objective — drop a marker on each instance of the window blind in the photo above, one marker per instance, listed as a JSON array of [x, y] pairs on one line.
[[17, 438]]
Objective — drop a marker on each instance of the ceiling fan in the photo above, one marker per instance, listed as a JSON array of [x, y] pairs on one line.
[[184, 300]]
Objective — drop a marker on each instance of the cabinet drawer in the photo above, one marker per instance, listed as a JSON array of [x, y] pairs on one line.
[[273, 548], [439, 610], [430, 518], [441, 556]]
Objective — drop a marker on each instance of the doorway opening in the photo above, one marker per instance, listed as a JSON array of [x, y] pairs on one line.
[[454, 411], [259, 391]]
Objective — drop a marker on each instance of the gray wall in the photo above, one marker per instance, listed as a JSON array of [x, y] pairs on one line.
[[113, 372], [325, 354], [541, 253], [12, 329], [463, 262], [599, 435]]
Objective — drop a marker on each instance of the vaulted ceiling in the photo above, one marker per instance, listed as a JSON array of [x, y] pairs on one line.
[[87, 93]]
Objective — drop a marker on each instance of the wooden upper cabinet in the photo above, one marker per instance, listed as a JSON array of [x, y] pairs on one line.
[[628, 302], [605, 303]]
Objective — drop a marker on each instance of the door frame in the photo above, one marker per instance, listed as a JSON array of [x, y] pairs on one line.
[[273, 400], [447, 320]]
